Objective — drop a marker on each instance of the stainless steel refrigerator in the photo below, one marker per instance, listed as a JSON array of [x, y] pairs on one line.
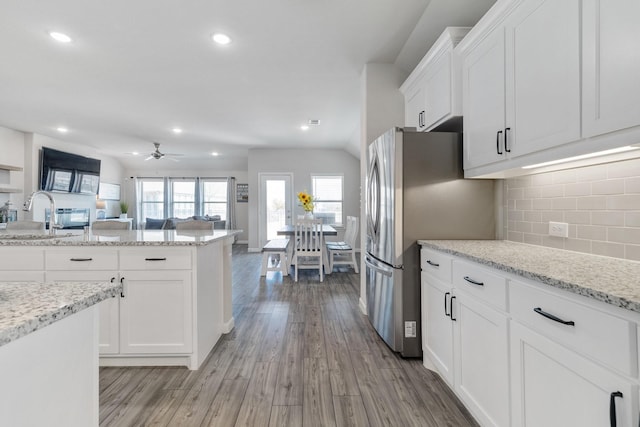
[[415, 190]]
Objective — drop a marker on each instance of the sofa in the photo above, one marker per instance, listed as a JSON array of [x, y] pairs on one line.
[[170, 223]]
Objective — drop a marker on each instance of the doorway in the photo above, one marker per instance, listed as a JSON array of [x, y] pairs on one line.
[[275, 204]]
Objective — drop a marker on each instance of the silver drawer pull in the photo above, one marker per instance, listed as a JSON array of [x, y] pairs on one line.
[[155, 259], [470, 280], [80, 259], [433, 263], [554, 318]]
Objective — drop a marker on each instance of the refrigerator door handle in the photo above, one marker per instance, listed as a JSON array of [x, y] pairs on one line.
[[377, 268]]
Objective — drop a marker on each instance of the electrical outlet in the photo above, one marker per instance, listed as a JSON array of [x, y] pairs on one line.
[[559, 229]]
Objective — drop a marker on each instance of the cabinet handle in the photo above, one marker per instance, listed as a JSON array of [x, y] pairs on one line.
[[422, 118], [451, 308], [80, 259], [554, 318], [506, 143], [445, 304], [155, 259], [122, 283], [612, 407], [113, 279], [498, 142], [433, 263], [470, 280]]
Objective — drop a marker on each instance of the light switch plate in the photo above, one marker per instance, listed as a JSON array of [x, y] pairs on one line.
[[559, 229]]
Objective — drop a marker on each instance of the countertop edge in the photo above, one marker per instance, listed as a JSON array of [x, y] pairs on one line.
[[547, 280], [40, 321]]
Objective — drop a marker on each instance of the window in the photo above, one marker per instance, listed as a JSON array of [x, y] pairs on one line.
[[183, 198], [152, 198], [328, 194], [214, 198]]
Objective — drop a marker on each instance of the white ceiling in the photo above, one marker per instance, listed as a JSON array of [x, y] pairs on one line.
[[136, 69]]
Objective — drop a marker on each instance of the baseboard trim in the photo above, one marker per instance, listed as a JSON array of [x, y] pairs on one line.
[[228, 326], [254, 250]]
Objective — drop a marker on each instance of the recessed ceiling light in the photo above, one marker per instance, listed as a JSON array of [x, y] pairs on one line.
[[215, 154], [221, 38], [176, 130], [62, 129], [60, 37], [304, 127], [135, 153]]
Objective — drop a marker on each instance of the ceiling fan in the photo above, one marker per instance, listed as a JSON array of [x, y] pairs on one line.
[[157, 154]]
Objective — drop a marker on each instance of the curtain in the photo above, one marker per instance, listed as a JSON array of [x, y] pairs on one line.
[[231, 203]]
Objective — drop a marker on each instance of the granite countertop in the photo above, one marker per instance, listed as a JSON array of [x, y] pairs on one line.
[[611, 280], [26, 307], [115, 238]]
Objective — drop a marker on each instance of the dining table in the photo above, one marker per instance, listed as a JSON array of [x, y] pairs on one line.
[[289, 230]]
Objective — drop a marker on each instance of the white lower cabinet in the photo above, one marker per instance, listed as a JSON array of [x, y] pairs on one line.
[[155, 312], [523, 354], [555, 387], [481, 359]]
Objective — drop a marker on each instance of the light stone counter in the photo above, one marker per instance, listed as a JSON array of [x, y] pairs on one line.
[[612, 280], [115, 238], [28, 307]]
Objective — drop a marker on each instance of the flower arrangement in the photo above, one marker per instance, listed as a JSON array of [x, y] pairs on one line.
[[306, 200]]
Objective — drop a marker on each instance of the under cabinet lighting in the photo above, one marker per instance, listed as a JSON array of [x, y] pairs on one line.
[[60, 37], [582, 157]]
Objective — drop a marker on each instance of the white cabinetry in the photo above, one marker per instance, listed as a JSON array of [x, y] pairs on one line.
[[432, 91], [611, 66], [22, 264], [466, 335], [521, 83]]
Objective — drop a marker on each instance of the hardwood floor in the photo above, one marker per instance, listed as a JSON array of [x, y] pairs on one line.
[[301, 354]]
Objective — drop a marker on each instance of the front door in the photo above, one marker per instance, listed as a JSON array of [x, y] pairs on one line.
[[275, 204]]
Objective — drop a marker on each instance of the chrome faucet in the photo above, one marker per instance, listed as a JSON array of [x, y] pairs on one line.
[[53, 224]]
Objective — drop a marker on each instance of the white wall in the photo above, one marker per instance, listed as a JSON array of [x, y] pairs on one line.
[[302, 163], [382, 107], [242, 209]]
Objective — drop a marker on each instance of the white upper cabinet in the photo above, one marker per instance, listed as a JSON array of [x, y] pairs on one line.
[[432, 91], [611, 66], [543, 75], [521, 82]]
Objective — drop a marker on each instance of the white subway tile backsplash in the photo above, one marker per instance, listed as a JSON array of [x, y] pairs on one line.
[[607, 218], [592, 203], [609, 186], [578, 189], [600, 203]]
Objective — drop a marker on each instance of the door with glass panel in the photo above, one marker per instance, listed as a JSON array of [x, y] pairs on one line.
[[275, 201]]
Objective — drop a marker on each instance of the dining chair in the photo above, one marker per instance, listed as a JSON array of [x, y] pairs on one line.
[[309, 246], [110, 225], [343, 253], [195, 224], [25, 225]]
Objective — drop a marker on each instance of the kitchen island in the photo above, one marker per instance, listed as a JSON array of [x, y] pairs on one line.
[[49, 352], [175, 301]]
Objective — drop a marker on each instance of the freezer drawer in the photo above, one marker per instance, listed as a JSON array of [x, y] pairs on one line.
[[384, 301]]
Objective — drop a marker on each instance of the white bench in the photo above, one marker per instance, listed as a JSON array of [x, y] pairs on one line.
[[274, 257]]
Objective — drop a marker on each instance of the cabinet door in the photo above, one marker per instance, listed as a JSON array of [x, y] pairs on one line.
[[414, 105], [109, 309], [481, 360], [438, 89], [437, 326], [155, 312], [611, 66], [543, 75], [483, 92], [552, 386]]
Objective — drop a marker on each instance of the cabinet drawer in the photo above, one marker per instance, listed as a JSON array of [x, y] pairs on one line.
[[594, 334], [436, 263], [481, 283], [155, 259], [12, 258], [81, 259]]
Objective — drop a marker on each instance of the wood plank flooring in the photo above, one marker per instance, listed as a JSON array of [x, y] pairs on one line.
[[301, 354]]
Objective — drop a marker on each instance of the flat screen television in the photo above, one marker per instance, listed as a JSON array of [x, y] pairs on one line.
[[69, 173]]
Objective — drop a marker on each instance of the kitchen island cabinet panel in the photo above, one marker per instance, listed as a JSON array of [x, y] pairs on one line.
[[153, 259], [81, 259], [21, 259], [437, 327], [156, 312]]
